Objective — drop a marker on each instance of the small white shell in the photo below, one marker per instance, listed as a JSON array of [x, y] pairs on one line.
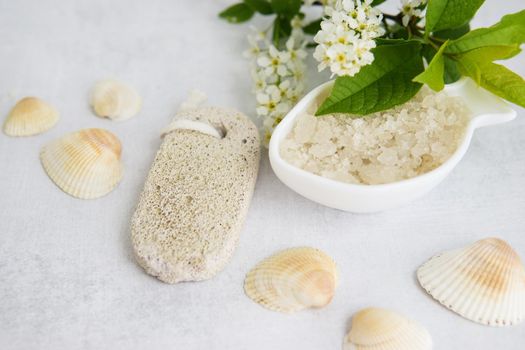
[[85, 164], [293, 280], [380, 329], [114, 100], [484, 282], [30, 116]]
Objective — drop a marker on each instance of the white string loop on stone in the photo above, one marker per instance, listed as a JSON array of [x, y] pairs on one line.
[[195, 99]]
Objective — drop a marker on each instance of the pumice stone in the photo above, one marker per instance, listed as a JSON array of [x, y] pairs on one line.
[[196, 196]]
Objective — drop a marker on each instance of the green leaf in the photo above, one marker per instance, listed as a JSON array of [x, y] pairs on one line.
[[276, 35], [428, 51], [288, 8], [494, 77], [313, 27], [471, 69], [452, 73], [377, 2], [493, 53], [447, 14], [281, 29], [237, 13], [433, 75], [509, 31], [385, 83], [261, 6], [453, 33]]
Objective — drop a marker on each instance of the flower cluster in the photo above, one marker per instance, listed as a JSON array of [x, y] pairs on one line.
[[278, 75], [347, 35], [411, 8]]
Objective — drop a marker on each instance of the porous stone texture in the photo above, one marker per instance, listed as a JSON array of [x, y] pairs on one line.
[[196, 196], [393, 145]]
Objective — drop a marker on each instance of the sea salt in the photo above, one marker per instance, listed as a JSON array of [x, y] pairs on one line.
[[400, 143]]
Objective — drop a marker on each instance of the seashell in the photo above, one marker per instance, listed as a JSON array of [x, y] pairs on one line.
[[85, 164], [381, 329], [293, 280], [30, 116], [114, 100], [484, 282]]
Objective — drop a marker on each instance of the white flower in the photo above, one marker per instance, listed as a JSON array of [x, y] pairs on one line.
[[277, 74], [343, 60], [321, 56], [297, 53], [288, 90], [259, 80], [411, 8], [362, 51], [327, 33], [268, 101], [274, 61], [296, 23], [254, 48], [347, 36], [256, 40]]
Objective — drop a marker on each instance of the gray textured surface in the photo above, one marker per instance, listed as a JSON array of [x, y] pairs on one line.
[[67, 275]]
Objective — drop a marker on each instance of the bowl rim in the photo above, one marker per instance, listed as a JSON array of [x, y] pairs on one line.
[[282, 130]]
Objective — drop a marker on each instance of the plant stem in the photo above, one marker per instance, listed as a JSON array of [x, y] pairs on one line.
[[437, 39], [395, 18], [434, 45]]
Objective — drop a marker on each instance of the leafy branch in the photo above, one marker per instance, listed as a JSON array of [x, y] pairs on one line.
[[283, 10], [450, 49], [445, 42]]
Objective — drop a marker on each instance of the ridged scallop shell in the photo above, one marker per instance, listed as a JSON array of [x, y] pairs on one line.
[[381, 329], [293, 280], [30, 116], [484, 282], [114, 100], [85, 164]]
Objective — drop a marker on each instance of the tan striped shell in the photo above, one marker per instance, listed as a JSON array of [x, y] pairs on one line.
[[293, 280], [30, 116], [381, 329], [484, 282], [85, 164]]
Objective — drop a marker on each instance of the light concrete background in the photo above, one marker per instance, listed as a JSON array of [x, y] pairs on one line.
[[68, 279]]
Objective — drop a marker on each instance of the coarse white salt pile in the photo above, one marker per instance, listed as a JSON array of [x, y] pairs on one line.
[[400, 143]]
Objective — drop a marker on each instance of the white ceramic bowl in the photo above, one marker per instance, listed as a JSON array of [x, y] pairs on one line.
[[487, 109]]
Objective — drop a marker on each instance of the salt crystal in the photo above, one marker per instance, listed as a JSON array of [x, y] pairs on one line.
[[393, 145], [388, 156], [305, 129], [321, 150]]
